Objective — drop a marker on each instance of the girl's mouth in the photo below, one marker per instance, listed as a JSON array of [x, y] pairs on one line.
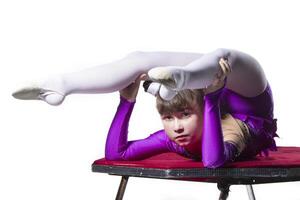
[[181, 136]]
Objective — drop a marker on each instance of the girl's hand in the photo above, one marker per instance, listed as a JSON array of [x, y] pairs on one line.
[[131, 91], [219, 81]]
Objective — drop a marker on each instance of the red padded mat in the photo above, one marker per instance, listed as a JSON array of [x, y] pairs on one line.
[[284, 157]]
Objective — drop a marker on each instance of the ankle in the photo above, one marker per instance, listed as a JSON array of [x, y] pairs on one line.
[[55, 83]]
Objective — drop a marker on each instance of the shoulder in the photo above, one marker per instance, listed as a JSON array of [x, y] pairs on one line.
[[160, 135]]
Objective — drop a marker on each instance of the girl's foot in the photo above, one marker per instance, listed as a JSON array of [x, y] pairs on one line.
[[172, 77], [44, 92], [155, 89], [36, 93]]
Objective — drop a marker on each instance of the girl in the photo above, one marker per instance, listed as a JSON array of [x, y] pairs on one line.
[[216, 107]]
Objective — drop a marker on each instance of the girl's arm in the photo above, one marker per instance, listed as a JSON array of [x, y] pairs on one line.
[[215, 152], [118, 148]]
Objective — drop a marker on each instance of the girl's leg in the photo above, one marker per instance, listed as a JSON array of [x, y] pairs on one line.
[[246, 78], [104, 78], [118, 74]]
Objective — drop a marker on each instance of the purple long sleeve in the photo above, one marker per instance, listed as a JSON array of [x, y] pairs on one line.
[[118, 148], [214, 151]]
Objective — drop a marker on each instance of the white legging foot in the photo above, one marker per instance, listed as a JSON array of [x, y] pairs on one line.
[[173, 77], [51, 91], [37, 93]]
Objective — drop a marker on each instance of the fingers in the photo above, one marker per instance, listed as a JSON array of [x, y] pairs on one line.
[[136, 83], [225, 66], [143, 77]]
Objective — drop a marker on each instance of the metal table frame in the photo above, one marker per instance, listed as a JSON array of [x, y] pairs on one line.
[[224, 177]]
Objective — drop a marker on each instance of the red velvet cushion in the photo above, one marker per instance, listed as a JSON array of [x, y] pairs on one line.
[[284, 157]]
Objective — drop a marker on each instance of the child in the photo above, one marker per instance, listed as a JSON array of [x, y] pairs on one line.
[[193, 127], [217, 107]]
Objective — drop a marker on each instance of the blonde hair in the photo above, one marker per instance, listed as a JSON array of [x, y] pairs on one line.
[[185, 99]]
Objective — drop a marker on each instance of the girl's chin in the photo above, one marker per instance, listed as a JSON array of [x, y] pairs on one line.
[[183, 142]]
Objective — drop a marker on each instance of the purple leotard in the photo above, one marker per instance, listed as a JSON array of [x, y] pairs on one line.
[[255, 112]]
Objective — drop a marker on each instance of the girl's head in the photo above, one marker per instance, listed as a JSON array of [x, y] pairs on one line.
[[182, 116]]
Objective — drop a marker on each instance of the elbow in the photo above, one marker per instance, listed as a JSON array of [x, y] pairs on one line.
[[116, 156], [213, 164], [112, 153], [113, 156]]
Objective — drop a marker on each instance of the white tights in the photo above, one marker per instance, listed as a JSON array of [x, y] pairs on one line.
[[117, 75], [247, 77]]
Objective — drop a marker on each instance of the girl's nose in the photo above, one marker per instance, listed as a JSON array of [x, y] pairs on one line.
[[178, 127]]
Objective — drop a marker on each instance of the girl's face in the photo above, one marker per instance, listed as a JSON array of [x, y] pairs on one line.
[[184, 127]]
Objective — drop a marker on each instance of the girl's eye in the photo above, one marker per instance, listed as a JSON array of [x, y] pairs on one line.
[[186, 114], [167, 117]]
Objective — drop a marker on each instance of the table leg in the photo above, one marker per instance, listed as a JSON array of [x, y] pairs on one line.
[[250, 192], [224, 188], [122, 187]]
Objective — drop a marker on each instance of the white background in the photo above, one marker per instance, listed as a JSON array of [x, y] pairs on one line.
[[46, 152]]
